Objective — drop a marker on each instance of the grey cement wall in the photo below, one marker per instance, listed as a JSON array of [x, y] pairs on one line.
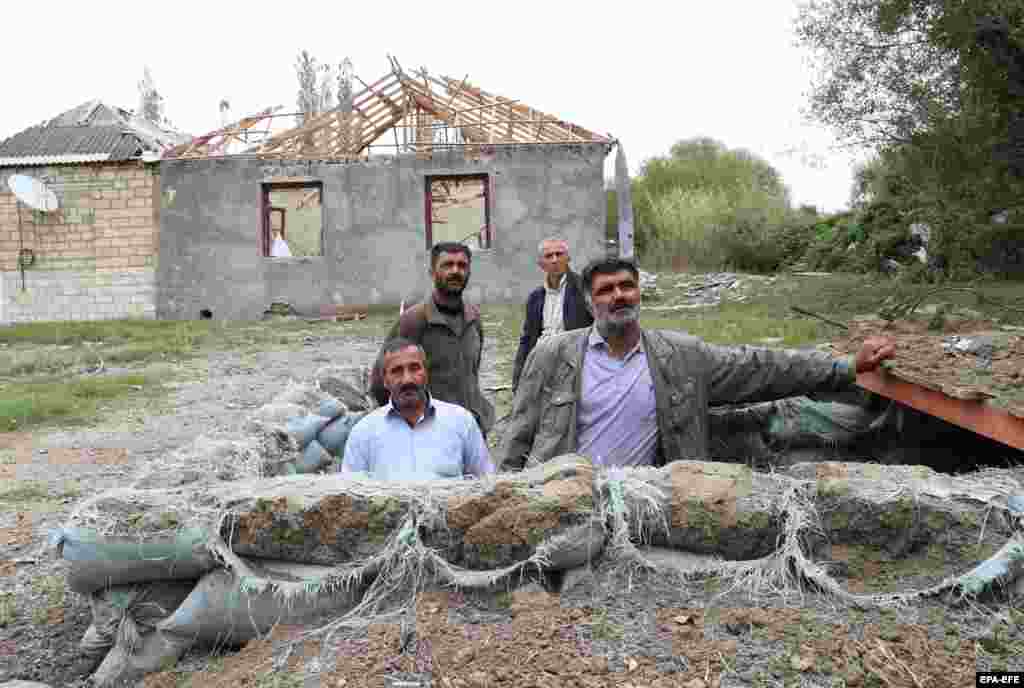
[[375, 249]]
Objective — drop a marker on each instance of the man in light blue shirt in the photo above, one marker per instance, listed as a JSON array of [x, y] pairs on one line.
[[414, 437]]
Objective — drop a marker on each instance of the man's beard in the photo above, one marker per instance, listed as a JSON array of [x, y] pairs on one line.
[[403, 401], [452, 291], [615, 323]]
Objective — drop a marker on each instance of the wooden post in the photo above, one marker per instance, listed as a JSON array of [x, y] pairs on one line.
[[624, 200]]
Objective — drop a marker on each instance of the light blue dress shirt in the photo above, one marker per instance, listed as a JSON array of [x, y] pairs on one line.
[[444, 443]]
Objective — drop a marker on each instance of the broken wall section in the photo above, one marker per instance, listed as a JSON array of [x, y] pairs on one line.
[[375, 247]]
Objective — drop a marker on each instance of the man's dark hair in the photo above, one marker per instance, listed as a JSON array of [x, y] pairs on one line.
[[449, 247], [605, 266], [397, 344]]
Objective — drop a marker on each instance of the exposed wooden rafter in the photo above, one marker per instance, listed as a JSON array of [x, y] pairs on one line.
[[418, 104]]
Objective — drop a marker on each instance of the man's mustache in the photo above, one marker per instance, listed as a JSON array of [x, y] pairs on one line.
[[409, 388]]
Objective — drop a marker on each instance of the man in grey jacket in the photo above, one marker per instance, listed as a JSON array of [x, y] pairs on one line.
[[626, 396]]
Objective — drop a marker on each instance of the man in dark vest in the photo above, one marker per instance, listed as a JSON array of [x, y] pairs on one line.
[[554, 307], [449, 331]]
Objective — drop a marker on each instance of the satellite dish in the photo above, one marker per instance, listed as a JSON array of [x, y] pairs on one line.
[[32, 192]]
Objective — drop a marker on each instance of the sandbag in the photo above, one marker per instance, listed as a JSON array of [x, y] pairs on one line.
[[330, 529], [349, 384], [131, 659], [703, 507], [332, 408], [100, 561], [997, 572], [321, 437], [305, 428], [577, 546], [306, 396], [143, 604], [513, 522], [334, 436], [274, 414], [226, 608], [313, 458], [800, 421]]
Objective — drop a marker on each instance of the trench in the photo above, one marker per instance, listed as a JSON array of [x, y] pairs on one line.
[[903, 437]]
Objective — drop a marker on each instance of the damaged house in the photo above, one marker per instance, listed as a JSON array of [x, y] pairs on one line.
[[93, 257], [343, 210]]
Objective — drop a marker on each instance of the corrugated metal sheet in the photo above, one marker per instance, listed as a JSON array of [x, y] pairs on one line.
[[115, 142], [91, 132]]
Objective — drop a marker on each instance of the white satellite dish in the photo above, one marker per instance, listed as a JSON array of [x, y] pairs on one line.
[[32, 192]]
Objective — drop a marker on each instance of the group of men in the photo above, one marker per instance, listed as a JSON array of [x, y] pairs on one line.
[[587, 378]]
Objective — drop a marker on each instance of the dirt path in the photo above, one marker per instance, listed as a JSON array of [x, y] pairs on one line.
[[209, 395]]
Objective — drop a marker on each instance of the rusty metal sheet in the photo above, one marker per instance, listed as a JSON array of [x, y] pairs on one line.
[[973, 414]]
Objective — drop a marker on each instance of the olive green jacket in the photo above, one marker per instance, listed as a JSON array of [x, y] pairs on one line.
[[454, 347], [689, 375]]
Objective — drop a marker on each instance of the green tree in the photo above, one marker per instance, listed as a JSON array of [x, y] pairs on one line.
[[921, 84], [704, 204]]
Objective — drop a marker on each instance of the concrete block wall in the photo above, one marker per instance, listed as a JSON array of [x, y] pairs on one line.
[[78, 295], [94, 257], [374, 228]]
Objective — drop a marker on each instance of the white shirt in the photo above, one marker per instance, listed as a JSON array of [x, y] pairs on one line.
[[553, 299], [279, 249]]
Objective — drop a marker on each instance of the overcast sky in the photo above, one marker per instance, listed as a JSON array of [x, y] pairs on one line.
[[649, 73]]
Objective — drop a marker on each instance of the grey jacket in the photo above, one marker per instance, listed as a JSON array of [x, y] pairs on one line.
[[689, 375]]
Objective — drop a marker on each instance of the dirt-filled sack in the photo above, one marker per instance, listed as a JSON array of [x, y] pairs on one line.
[[143, 605], [306, 396], [800, 421], [98, 561], [135, 655], [321, 437], [512, 522], [323, 530], [700, 506], [349, 384], [227, 608], [275, 414]]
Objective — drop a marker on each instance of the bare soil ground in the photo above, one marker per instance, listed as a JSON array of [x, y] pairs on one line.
[[922, 358], [208, 395], [602, 630]]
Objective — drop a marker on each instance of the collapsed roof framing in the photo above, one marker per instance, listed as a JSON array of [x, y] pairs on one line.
[[430, 112], [218, 141]]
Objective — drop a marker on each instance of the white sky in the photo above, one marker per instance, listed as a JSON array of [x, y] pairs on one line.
[[649, 73]]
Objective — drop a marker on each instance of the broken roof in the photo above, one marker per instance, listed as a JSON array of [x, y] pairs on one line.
[[91, 132], [421, 106]]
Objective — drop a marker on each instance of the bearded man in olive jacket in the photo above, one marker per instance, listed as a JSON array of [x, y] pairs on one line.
[[624, 396], [449, 331]]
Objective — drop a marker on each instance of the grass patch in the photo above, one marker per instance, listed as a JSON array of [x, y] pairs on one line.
[[22, 491], [604, 628], [59, 347], [29, 404], [107, 332], [8, 611], [279, 679], [50, 586]]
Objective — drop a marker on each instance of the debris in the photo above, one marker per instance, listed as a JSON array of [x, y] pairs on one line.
[[801, 311], [802, 661]]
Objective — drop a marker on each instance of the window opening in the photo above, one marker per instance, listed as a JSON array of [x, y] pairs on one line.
[[458, 209], [292, 220]]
